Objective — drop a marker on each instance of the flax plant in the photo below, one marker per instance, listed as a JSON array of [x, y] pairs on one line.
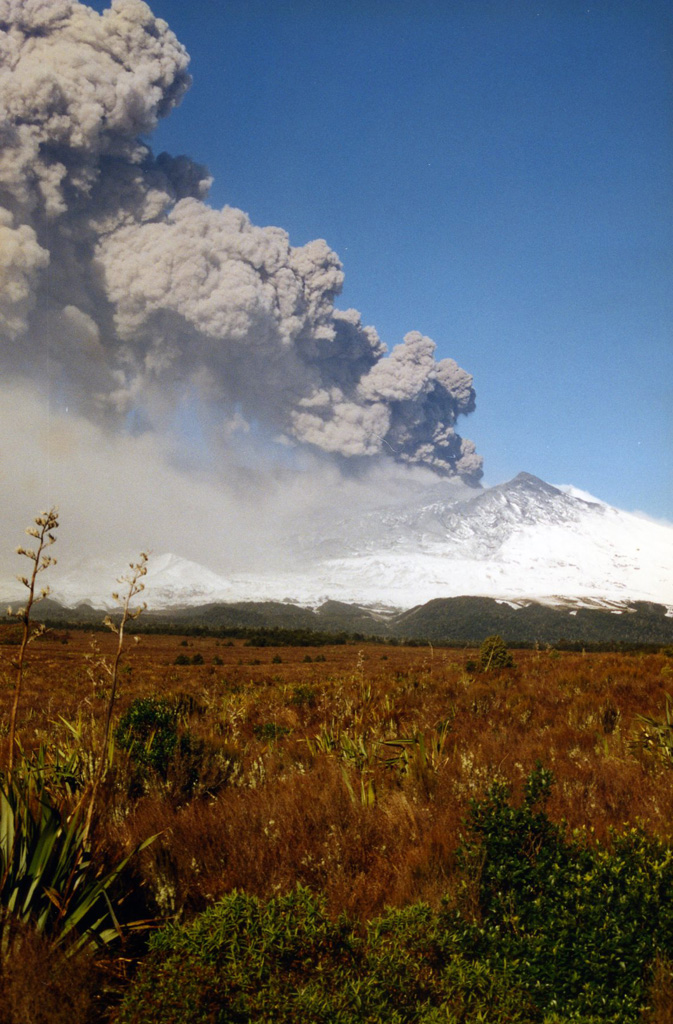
[[49, 879], [134, 587], [43, 532], [657, 735]]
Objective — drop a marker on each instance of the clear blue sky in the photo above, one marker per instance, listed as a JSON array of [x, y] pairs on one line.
[[497, 174]]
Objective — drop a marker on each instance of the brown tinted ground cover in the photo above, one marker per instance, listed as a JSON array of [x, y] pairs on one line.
[[350, 775]]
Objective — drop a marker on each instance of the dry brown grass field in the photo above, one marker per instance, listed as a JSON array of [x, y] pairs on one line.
[[348, 769]]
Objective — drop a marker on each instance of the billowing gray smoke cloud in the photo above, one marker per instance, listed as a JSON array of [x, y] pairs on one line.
[[131, 295]]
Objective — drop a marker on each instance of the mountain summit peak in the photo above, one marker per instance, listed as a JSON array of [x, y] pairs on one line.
[[528, 480], [525, 477]]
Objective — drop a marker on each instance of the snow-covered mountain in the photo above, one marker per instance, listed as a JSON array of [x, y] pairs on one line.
[[523, 540], [520, 541], [170, 581]]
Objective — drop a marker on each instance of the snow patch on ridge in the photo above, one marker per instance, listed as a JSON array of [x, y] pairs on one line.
[[576, 492]]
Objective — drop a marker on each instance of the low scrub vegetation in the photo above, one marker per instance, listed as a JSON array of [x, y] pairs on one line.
[[197, 829], [540, 923]]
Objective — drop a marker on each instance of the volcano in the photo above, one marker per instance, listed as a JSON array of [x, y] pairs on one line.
[[519, 542]]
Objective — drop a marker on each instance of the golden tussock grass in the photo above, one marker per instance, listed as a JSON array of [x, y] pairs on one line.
[[351, 775]]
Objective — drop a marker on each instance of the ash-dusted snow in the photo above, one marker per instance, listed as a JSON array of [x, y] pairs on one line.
[[518, 542]]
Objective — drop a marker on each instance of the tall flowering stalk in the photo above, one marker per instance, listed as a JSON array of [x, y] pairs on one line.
[[43, 532], [134, 586]]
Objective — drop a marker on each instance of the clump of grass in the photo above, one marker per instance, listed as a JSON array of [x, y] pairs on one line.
[[656, 735], [43, 985]]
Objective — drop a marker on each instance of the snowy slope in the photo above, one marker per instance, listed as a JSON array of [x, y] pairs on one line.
[[170, 581], [521, 541]]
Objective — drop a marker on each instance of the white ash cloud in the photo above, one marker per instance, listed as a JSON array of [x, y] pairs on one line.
[[138, 297], [120, 494]]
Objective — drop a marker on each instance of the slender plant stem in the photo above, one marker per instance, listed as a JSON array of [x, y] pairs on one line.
[[43, 532], [134, 587]]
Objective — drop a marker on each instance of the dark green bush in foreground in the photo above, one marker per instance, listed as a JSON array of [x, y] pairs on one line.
[[545, 928], [285, 961], [581, 925]]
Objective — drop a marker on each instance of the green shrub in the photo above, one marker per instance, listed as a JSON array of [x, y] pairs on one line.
[[303, 696], [238, 960], [268, 731], [148, 730], [579, 924], [494, 653], [284, 961], [545, 928], [160, 746]]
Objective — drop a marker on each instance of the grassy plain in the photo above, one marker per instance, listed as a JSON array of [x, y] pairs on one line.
[[347, 769], [353, 774]]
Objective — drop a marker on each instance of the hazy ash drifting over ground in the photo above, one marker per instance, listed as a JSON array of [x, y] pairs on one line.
[[166, 366]]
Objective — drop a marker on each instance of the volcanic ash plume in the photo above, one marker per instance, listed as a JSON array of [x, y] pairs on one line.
[[130, 296]]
